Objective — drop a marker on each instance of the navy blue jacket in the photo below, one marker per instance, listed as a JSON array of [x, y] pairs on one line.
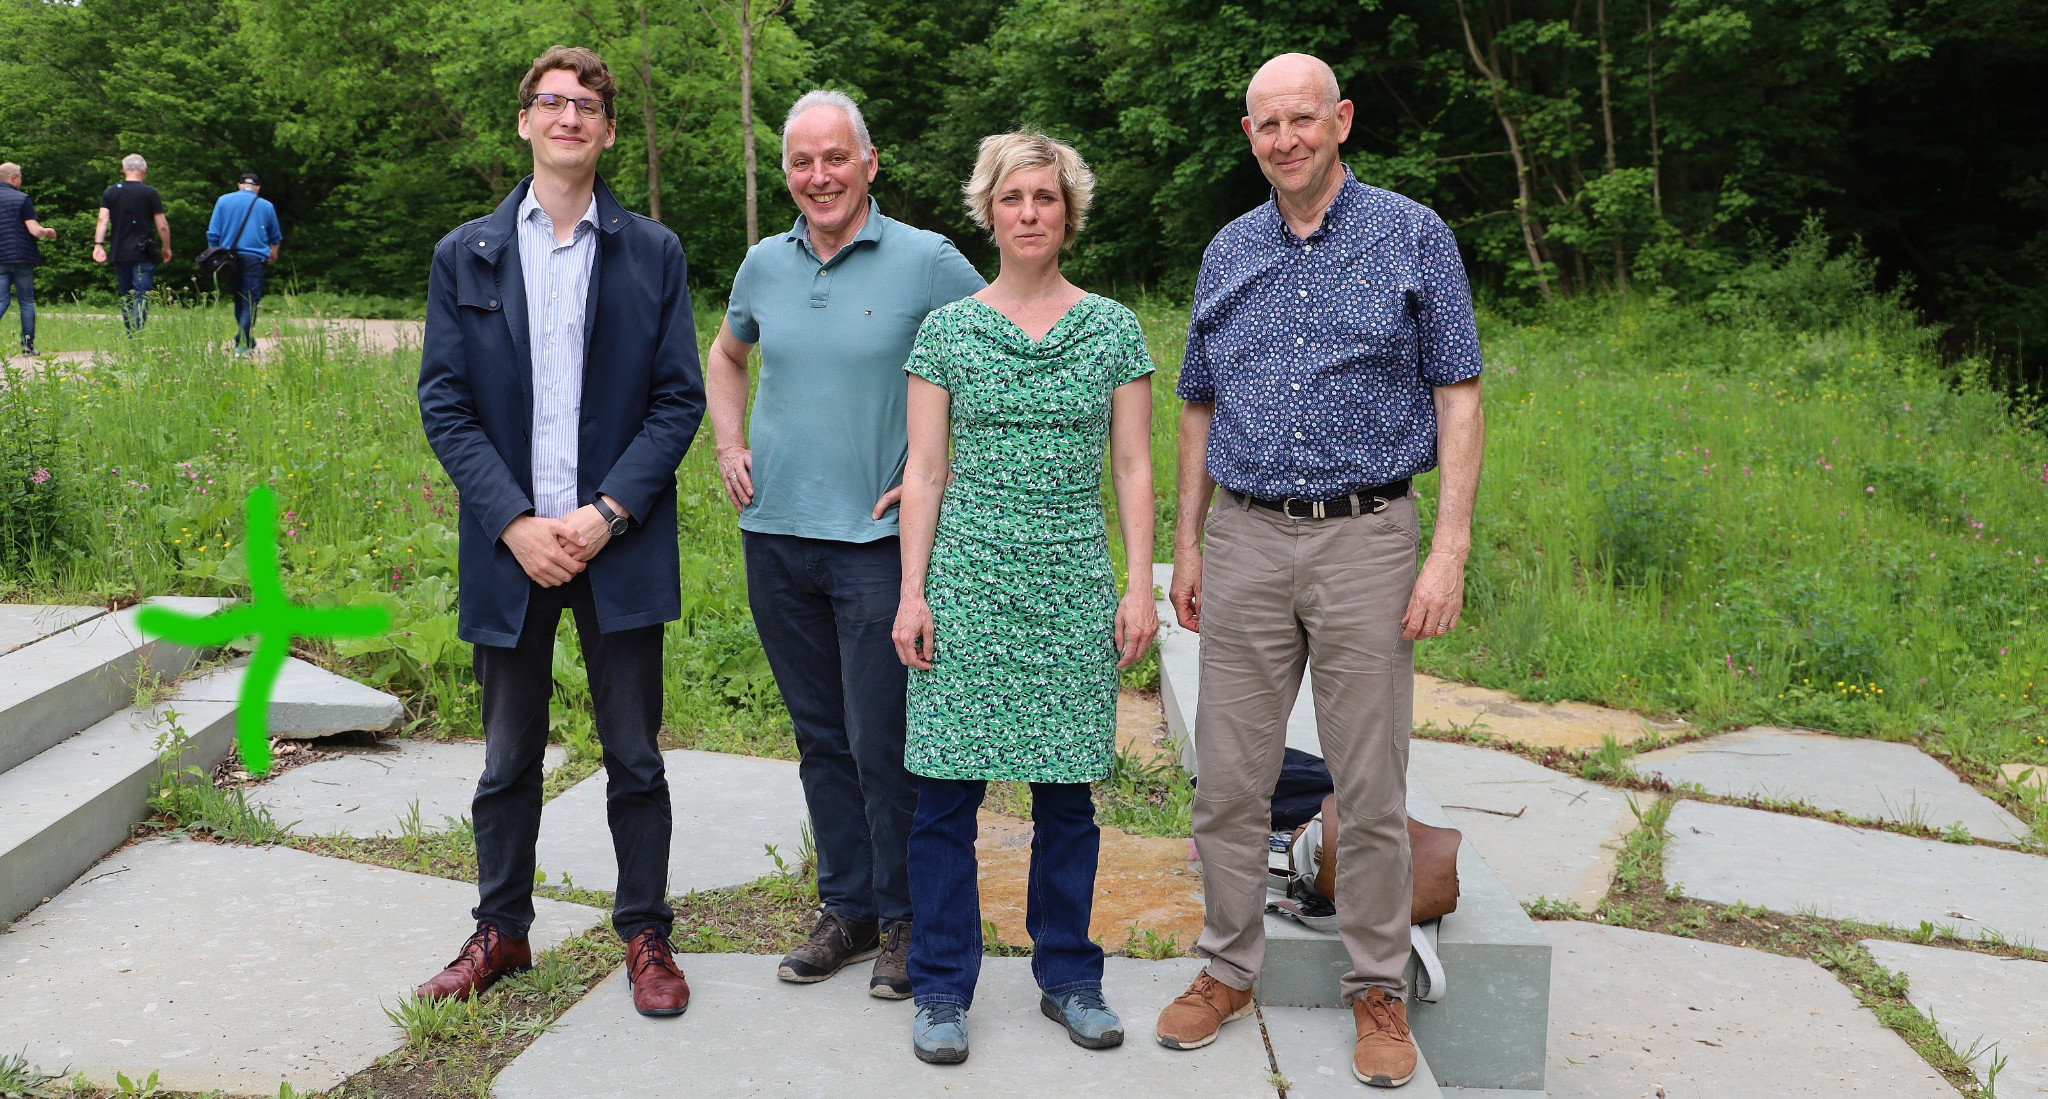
[[17, 248], [643, 397]]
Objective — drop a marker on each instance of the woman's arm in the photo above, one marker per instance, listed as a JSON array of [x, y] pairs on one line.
[[1130, 457], [924, 484]]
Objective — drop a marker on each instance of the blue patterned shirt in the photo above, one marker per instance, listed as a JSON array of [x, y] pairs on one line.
[[1320, 354]]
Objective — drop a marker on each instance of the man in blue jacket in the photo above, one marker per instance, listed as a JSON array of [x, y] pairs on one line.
[[560, 388], [254, 246], [19, 252]]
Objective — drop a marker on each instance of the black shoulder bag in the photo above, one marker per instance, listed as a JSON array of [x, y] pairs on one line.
[[220, 255]]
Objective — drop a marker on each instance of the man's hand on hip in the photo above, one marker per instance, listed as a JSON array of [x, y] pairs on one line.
[[1186, 592], [543, 548], [1438, 600], [588, 533]]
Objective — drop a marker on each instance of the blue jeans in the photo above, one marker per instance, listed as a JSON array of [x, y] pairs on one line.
[[23, 280], [134, 281], [246, 285], [824, 610], [945, 950]]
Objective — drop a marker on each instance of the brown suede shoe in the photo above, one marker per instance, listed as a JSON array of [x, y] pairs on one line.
[[488, 955], [1385, 1054], [658, 986], [1192, 1021]]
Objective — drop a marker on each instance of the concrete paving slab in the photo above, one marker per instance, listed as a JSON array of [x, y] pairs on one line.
[[54, 687], [1998, 1006], [1633, 1014], [727, 810], [24, 623], [1448, 704], [230, 967], [1312, 1046], [1868, 779], [310, 701], [1796, 864], [856, 1045], [1546, 834], [367, 791]]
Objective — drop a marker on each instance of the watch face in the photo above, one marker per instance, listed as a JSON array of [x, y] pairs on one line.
[[618, 525]]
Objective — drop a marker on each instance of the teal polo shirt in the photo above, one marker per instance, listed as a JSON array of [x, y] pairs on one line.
[[828, 430]]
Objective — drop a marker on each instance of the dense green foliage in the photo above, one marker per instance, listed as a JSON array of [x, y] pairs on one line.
[[1660, 139]]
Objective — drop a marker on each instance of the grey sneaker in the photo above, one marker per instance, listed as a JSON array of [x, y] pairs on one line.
[[1087, 1017], [834, 943], [892, 968], [939, 1034]]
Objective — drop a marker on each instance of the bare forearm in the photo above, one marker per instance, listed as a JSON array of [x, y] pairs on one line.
[[1460, 444], [99, 229], [725, 385], [1196, 487], [917, 523]]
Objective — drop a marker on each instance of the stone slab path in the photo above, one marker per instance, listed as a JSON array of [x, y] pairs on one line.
[[1546, 834], [739, 1039], [26, 623], [1140, 881], [310, 701], [231, 967], [727, 810], [1869, 779], [1313, 1047], [1635, 1014], [1448, 704], [1795, 864], [367, 791], [1996, 1005]]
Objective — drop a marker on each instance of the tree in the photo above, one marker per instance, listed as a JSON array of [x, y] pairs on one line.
[[750, 19]]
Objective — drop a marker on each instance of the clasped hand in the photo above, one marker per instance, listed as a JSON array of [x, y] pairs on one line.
[[553, 551]]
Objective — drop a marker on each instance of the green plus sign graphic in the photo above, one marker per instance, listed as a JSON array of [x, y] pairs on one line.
[[271, 618]]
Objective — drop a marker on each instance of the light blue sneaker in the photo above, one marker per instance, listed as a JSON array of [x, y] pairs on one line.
[[1088, 1019], [939, 1033]]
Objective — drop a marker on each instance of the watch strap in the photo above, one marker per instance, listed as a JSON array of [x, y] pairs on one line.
[[611, 518]]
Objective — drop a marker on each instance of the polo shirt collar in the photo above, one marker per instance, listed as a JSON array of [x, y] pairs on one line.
[[1337, 216], [871, 230]]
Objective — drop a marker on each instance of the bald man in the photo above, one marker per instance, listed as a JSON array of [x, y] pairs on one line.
[[1332, 356]]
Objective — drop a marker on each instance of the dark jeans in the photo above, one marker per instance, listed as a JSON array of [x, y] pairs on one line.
[[134, 281], [23, 280], [625, 692], [824, 610], [945, 953], [245, 284]]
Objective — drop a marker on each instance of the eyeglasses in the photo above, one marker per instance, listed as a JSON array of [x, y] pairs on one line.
[[550, 103]]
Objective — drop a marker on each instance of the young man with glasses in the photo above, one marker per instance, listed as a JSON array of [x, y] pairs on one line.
[[560, 388]]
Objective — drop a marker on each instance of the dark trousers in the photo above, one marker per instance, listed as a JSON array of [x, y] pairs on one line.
[[824, 610], [23, 280], [945, 953], [625, 693], [245, 285], [134, 281]]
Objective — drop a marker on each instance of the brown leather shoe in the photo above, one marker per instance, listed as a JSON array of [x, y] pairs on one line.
[[1385, 1054], [1192, 1021], [488, 955], [658, 986]]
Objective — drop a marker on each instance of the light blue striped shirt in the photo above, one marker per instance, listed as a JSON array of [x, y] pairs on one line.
[[557, 278]]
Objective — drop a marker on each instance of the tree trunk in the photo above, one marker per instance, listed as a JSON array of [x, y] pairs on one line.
[[1650, 78], [1607, 120], [647, 119], [1525, 193], [747, 120]]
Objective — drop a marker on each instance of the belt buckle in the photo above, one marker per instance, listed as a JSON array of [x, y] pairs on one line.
[[1315, 508], [1379, 503]]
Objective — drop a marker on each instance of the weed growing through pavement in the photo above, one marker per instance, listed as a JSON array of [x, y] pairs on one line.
[[185, 798], [1144, 942], [21, 1080]]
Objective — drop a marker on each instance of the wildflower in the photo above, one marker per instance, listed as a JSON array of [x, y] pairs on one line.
[[39, 476], [1869, 488]]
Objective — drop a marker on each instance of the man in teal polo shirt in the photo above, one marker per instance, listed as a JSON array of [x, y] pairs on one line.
[[834, 305]]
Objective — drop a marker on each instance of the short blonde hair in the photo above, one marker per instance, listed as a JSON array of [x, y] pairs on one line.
[[1003, 154]]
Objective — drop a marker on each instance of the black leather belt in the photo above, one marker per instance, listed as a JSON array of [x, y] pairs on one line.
[[1366, 501]]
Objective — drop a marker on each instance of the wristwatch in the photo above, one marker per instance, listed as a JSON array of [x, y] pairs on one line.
[[612, 519]]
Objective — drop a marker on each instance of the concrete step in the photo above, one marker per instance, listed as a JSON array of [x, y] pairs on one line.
[[55, 685], [1490, 1028], [77, 800]]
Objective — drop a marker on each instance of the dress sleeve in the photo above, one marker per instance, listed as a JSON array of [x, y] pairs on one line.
[[928, 353], [1134, 359]]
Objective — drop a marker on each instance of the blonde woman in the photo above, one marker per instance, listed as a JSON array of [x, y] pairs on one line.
[[1009, 618]]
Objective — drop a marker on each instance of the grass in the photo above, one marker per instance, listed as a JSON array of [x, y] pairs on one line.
[[185, 798]]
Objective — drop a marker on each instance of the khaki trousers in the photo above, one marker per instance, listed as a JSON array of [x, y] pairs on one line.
[[1276, 594]]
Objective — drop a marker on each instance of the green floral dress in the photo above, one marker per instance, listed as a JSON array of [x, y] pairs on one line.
[[1023, 680]]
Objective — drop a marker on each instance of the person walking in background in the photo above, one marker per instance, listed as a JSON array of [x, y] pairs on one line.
[[254, 246], [833, 304], [559, 388], [128, 210], [1332, 355], [20, 255], [1009, 616]]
